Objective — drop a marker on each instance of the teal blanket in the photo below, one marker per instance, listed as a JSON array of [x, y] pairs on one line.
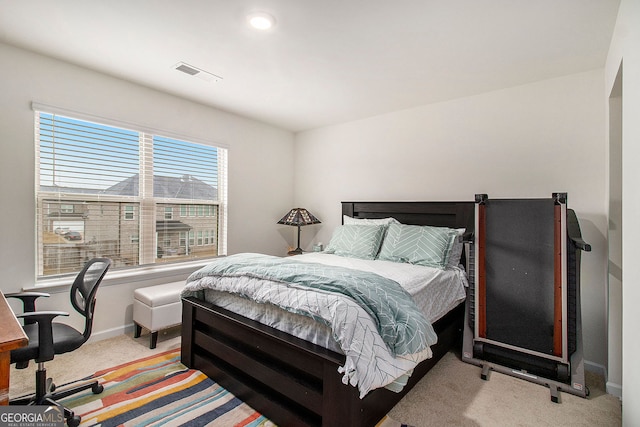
[[402, 326]]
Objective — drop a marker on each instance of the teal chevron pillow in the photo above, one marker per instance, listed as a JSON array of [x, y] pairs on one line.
[[357, 241], [414, 244]]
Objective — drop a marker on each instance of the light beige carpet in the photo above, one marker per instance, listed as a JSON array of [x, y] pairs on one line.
[[452, 393]]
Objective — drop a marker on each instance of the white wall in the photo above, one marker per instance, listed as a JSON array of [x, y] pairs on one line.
[[527, 141], [260, 156], [624, 53]]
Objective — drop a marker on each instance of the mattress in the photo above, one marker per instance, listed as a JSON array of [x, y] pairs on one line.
[[435, 292]]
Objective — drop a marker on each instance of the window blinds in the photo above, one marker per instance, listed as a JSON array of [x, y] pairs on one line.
[[132, 196]]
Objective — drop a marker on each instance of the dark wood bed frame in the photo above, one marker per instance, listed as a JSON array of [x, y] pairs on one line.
[[292, 381]]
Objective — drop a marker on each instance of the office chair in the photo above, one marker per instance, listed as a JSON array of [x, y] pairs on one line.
[[48, 338]]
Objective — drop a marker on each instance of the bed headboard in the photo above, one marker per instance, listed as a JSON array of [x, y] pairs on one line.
[[440, 214]]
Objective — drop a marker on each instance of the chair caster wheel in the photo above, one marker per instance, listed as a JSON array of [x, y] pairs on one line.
[[73, 421], [97, 389]]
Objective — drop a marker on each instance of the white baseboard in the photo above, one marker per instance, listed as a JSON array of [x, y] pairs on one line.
[[110, 333], [596, 368], [601, 370], [614, 389]]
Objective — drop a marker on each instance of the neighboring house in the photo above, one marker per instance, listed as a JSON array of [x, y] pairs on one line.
[[74, 230], [182, 229]]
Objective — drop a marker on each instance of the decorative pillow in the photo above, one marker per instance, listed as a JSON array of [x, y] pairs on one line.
[[347, 220], [414, 244], [357, 241], [456, 249]]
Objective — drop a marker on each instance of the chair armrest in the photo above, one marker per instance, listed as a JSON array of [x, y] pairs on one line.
[[45, 331], [28, 299], [28, 302]]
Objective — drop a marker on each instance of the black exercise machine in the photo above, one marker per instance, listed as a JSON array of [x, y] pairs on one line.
[[523, 306]]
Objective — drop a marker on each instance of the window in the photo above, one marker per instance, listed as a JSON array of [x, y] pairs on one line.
[[105, 190], [128, 212]]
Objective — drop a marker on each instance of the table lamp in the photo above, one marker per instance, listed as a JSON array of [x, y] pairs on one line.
[[298, 217]]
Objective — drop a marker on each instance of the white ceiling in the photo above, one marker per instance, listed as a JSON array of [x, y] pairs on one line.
[[325, 62]]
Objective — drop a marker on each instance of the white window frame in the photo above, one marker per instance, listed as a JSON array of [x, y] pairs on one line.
[[64, 208], [144, 268]]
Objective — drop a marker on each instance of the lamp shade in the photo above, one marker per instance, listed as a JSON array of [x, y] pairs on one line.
[[298, 217]]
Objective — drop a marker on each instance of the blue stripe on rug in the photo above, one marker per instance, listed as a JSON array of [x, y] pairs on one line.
[[212, 415], [157, 403], [191, 405]]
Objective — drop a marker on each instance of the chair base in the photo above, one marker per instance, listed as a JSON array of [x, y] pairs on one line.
[[47, 394]]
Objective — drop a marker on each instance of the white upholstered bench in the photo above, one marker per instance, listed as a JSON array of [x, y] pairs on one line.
[[157, 307]]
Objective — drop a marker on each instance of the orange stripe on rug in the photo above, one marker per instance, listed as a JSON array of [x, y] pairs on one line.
[[248, 420]]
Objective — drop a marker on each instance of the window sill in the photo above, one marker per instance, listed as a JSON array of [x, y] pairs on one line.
[[149, 273]]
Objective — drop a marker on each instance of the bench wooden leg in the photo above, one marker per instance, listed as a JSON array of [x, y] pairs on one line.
[[137, 331], [154, 339]]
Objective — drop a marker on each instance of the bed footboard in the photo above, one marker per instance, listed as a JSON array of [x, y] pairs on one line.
[[289, 380]]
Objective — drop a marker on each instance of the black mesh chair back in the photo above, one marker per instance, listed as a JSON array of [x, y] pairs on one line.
[[84, 289]]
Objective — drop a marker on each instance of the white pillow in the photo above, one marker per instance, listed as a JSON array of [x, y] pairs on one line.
[[456, 249], [347, 220]]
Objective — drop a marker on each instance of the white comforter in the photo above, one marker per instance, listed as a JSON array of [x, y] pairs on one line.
[[435, 291], [369, 363]]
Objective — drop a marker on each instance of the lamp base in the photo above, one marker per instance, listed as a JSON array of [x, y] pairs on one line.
[[296, 251]]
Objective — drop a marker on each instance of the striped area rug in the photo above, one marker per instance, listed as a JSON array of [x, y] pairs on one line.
[[159, 390]]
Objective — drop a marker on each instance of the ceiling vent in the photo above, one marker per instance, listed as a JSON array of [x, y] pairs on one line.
[[196, 72]]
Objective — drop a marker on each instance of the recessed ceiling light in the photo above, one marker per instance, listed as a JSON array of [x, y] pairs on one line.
[[261, 20]]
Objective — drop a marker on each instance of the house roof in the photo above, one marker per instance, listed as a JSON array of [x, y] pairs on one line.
[[184, 187]]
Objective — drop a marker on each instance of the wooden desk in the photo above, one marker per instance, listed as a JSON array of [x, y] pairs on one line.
[[11, 337]]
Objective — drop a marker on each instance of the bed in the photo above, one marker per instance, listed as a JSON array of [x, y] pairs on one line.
[[297, 380]]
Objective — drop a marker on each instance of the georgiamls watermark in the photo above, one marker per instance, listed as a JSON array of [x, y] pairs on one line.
[[31, 416]]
